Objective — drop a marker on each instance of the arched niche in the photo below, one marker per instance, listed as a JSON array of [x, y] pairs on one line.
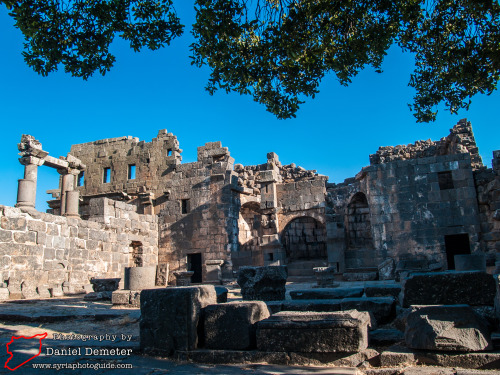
[[358, 225], [249, 226], [304, 238]]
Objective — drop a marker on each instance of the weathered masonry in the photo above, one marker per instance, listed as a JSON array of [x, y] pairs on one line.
[[414, 206]]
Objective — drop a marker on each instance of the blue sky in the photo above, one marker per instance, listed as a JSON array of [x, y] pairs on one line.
[[148, 91]]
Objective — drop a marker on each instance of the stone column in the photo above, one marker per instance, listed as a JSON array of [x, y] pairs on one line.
[[72, 204], [26, 192], [68, 195]]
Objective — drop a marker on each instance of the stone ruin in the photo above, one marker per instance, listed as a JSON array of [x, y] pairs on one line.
[[414, 207], [130, 209]]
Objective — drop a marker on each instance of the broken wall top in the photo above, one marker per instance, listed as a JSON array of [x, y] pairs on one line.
[[460, 140]]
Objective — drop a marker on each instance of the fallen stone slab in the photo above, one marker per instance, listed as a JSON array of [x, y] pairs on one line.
[[327, 293], [382, 308], [287, 331], [274, 306], [98, 296], [263, 283], [385, 337], [360, 276], [398, 356], [449, 288], [105, 285], [343, 360], [383, 290], [319, 305], [170, 317], [447, 328], [231, 326], [417, 370]]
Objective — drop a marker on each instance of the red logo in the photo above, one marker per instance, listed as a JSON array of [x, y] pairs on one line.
[[40, 336]]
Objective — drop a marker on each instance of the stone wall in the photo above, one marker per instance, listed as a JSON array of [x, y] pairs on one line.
[[460, 141], [488, 193], [413, 204], [207, 222], [40, 251]]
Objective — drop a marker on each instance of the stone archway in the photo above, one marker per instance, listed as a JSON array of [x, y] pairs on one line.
[[249, 226], [304, 239]]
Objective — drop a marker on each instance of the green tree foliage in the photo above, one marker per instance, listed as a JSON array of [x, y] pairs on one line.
[[78, 33], [278, 51]]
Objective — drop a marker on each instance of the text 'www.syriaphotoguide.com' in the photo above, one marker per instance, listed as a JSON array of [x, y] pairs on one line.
[[78, 366]]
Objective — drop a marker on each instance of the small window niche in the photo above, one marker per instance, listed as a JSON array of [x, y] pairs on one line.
[[169, 152], [184, 206], [131, 171], [106, 175], [445, 180], [80, 181]]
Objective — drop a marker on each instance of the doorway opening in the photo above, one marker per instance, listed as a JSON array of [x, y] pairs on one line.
[[194, 264], [456, 244]]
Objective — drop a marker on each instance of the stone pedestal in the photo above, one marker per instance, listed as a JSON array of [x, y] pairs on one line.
[[139, 278], [326, 276], [183, 278], [213, 271]]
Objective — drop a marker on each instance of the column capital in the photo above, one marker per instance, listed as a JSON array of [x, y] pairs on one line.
[[31, 160], [65, 171]]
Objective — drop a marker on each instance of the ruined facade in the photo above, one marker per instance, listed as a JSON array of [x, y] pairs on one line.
[[416, 204]]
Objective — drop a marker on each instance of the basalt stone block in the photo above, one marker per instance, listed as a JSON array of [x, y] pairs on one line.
[[98, 296], [497, 295], [231, 326], [383, 290], [382, 308], [290, 331], [263, 283], [120, 297], [385, 337], [360, 276], [221, 294], [449, 288], [319, 305], [327, 293], [386, 270], [447, 328], [170, 317], [105, 285]]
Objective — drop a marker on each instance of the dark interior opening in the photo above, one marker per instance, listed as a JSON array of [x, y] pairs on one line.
[[445, 180], [184, 206], [456, 244], [194, 264]]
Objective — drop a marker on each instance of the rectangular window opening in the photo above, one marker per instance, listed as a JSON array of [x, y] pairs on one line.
[[445, 180], [131, 172], [106, 175], [270, 257], [81, 179], [184, 206], [169, 152]]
